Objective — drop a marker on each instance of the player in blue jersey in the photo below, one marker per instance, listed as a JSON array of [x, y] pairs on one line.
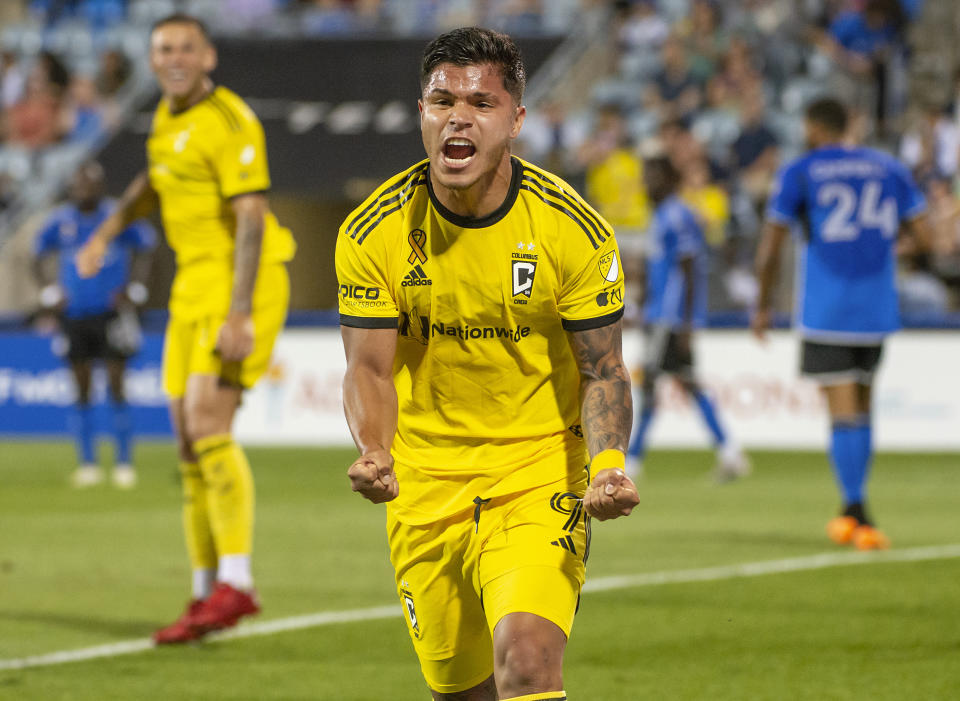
[[675, 303], [847, 204], [96, 314]]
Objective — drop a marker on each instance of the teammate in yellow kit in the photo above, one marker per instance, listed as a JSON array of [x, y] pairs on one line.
[[480, 306], [207, 172]]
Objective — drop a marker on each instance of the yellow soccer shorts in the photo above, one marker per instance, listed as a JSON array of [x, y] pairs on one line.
[[189, 346], [457, 577]]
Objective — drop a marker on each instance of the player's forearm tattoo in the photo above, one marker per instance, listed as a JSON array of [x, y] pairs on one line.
[[606, 403], [246, 259]]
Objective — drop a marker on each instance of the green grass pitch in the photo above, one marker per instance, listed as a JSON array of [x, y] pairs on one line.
[[81, 569]]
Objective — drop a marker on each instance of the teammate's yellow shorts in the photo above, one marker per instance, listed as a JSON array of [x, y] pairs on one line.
[[458, 577], [189, 346]]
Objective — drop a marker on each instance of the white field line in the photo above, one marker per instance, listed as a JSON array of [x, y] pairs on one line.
[[705, 574]]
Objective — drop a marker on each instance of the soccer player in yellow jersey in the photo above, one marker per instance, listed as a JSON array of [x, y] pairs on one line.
[[480, 305], [207, 172]]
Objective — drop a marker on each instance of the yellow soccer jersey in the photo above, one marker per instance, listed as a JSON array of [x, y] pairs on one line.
[[198, 159], [486, 379], [615, 186]]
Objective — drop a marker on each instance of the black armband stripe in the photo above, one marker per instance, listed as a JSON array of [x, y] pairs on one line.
[[369, 322], [594, 323]]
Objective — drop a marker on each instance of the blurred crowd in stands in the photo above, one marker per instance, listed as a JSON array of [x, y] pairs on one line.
[[720, 85]]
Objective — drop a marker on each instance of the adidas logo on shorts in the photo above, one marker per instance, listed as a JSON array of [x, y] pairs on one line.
[[416, 278]]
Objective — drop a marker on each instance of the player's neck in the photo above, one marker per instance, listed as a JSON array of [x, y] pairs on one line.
[[180, 104], [482, 198]]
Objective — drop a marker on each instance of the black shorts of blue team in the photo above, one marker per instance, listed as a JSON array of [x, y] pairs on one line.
[[104, 336], [834, 364], [663, 352]]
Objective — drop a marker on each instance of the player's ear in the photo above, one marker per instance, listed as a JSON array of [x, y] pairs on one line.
[[210, 59], [518, 118]]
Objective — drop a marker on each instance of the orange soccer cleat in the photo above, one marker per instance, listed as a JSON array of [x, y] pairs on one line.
[[841, 529], [867, 537]]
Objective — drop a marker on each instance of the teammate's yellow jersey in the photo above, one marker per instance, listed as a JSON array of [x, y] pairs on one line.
[[485, 375], [199, 159]]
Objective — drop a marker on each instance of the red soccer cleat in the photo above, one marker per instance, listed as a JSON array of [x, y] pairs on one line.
[[181, 631], [223, 609]]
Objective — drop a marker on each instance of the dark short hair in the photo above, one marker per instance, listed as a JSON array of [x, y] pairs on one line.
[[828, 112], [183, 18], [665, 168], [470, 46]]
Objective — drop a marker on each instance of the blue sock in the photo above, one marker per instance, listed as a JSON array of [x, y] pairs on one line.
[[638, 444], [709, 413], [84, 433], [122, 431], [850, 456], [864, 453]]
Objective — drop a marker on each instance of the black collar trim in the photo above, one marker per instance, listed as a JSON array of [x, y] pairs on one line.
[[492, 218]]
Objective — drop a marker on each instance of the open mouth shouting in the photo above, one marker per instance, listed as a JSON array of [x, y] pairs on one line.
[[458, 152]]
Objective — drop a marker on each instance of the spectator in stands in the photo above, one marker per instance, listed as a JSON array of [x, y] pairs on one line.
[[740, 73], [674, 92], [327, 17], [931, 143], [99, 14], [707, 199], [36, 120], [755, 153], [518, 17], [113, 73], [51, 71], [862, 43], [641, 28], [12, 79], [84, 115], [96, 314], [706, 40], [614, 176], [945, 222]]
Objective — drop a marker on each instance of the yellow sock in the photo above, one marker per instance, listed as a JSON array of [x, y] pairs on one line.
[[542, 696], [229, 484], [196, 521]]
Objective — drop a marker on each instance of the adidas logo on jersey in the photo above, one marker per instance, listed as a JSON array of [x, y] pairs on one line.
[[416, 278]]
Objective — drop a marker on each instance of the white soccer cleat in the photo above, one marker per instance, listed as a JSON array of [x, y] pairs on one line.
[[87, 476], [634, 468], [732, 464], [124, 477]]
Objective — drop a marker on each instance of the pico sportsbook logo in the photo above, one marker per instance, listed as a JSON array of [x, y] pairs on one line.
[[416, 277], [362, 296], [523, 269]]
